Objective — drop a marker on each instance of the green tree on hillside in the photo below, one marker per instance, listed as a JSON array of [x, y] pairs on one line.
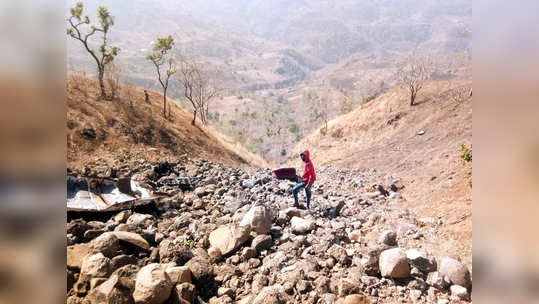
[[105, 53], [161, 59]]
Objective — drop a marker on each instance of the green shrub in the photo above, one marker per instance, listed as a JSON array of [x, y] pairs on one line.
[[466, 153]]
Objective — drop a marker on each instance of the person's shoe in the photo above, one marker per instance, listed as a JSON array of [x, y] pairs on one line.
[[302, 207], [296, 205]]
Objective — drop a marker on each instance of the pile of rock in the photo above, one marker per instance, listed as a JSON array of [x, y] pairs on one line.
[[228, 240]]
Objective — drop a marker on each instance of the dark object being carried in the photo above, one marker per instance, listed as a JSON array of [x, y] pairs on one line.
[[284, 173]]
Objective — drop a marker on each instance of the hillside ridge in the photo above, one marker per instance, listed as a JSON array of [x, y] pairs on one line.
[[128, 126]]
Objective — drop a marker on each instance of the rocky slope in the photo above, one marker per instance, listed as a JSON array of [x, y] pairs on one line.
[[234, 237]]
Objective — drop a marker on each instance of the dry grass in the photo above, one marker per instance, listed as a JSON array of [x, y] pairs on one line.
[[382, 134], [110, 128]]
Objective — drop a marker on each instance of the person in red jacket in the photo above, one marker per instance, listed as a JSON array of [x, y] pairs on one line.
[[307, 179]]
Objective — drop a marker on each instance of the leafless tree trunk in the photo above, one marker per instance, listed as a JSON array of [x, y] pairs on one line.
[[414, 72], [198, 88]]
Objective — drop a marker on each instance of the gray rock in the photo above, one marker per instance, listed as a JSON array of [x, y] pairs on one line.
[[96, 266], [152, 285], [262, 242], [459, 292], [421, 260], [393, 263], [257, 219], [228, 238], [107, 243], [300, 225], [339, 254], [435, 279], [457, 273], [388, 237]]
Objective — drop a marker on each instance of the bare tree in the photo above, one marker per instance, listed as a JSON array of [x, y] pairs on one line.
[[161, 57], [319, 110], [198, 88], [414, 72], [105, 53]]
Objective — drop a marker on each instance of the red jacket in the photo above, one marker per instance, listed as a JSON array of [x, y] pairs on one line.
[[308, 169]]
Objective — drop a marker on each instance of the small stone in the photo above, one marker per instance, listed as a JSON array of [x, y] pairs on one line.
[[436, 280], [248, 253], [421, 260], [388, 237], [215, 254], [339, 254], [222, 291], [415, 294], [132, 238], [459, 292], [356, 299], [355, 236]]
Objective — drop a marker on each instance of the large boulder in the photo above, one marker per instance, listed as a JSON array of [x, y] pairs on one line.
[[300, 225], [228, 238], [393, 263], [132, 238], [456, 272], [201, 269], [110, 292], [179, 274], [152, 286], [76, 254], [261, 242], [257, 219], [96, 266], [107, 243]]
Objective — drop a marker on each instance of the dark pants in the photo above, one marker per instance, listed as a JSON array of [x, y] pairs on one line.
[[307, 193]]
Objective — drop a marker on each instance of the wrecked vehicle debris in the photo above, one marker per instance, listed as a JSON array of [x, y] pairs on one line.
[[103, 194]]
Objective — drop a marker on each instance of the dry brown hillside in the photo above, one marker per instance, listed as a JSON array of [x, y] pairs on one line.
[[383, 134], [130, 128]]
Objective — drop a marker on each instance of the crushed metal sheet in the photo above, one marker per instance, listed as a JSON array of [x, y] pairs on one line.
[[100, 194]]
